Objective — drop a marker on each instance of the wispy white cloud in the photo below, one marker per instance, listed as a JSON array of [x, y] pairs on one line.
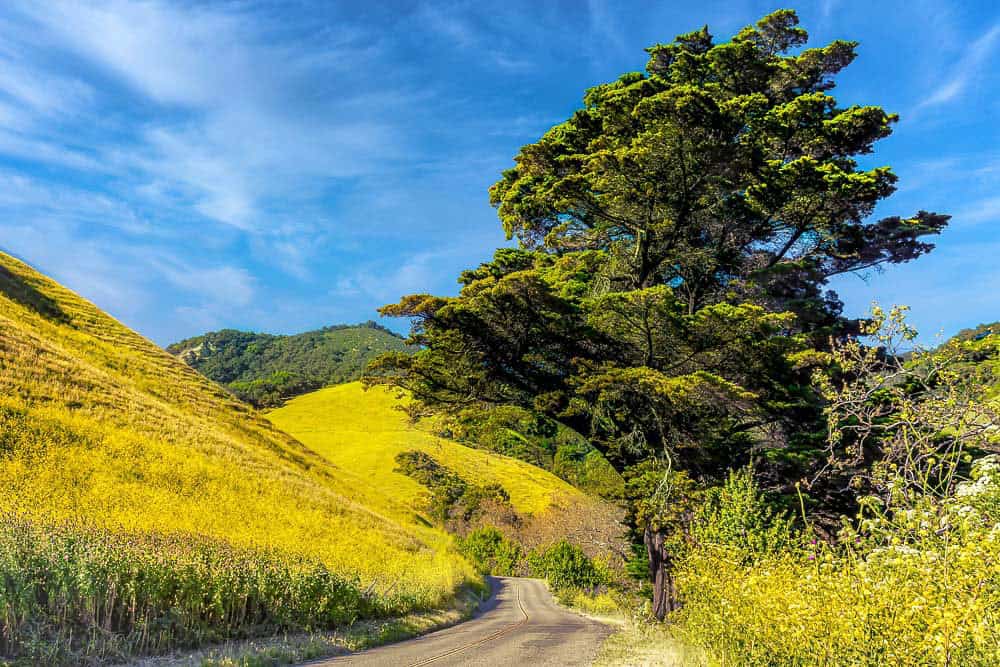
[[24, 198], [107, 251], [977, 55], [161, 50], [978, 212], [247, 127], [219, 285], [605, 27], [384, 284], [828, 7]]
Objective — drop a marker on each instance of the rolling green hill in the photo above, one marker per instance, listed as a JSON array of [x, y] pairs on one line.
[[265, 369], [142, 508]]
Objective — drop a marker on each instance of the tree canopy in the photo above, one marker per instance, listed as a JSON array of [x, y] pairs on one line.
[[668, 298]]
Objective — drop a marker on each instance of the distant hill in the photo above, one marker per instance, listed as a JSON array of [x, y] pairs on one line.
[[979, 333], [981, 346], [265, 369]]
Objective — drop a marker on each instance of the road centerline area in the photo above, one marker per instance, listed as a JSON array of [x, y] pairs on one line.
[[518, 624]]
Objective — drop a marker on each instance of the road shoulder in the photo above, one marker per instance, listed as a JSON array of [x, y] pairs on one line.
[[305, 648]]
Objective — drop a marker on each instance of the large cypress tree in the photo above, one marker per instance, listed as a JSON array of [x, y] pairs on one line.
[[677, 234]]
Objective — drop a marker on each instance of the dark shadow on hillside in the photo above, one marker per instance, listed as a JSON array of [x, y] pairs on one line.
[[18, 290]]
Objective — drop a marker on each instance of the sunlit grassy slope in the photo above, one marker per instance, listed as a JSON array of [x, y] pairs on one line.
[[361, 432], [99, 425]]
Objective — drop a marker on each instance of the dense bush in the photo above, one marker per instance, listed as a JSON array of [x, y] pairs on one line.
[[69, 593], [508, 430], [539, 440], [565, 565], [737, 517], [913, 577], [577, 462], [492, 552]]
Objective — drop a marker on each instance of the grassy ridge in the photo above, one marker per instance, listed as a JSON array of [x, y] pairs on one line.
[[100, 428], [143, 508]]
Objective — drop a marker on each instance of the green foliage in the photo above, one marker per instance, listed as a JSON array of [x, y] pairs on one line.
[[980, 349], [527, 435], [677, 236], [907, 583], [450, 496], [669, 299], [586, 468], [266, 370], [901, 423], [492, 552], [909, 579], [737, 517], [663, 499], [508, 430], [565, 565]]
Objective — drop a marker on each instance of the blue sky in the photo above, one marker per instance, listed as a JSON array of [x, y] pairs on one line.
[[280, 167]]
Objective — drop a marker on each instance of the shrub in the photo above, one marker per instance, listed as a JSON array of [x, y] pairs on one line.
[[565, 565], [900, 605], [451, 497], [492, 552], [508, 430], [577, 462], [737, 517]]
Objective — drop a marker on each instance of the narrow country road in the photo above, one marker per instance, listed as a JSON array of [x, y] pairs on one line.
[[519, 625]]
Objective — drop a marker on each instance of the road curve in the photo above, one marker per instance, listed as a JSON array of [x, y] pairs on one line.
[[518, 625]]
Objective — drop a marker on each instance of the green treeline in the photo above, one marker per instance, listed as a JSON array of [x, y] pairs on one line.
[[265, 369]]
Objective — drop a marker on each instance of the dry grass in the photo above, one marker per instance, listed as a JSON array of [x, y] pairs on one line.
[[644, 644]]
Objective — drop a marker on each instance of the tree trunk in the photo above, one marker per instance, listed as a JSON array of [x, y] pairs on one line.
[[661, 570]]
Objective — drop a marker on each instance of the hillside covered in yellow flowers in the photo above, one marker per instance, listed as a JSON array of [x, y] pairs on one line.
[[108, 441]]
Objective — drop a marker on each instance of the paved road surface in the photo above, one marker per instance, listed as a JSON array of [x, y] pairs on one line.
[[518, 625]]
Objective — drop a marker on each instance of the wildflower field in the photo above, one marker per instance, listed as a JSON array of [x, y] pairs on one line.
[[914, 587], [362, 432], [121, 467]]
